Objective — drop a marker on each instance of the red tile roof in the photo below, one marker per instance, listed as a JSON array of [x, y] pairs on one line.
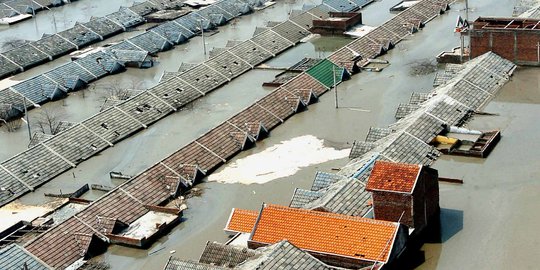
[[391, 176], [356, 237], [241, 221]]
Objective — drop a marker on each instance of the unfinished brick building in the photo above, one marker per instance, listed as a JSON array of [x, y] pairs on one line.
[[408, 193], [516, 39]]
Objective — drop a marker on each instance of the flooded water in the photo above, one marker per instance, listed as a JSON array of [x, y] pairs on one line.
[[494, 211]]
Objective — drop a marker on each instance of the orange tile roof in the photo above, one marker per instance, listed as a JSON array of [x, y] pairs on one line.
[[391, 176], [241, 220], [356, 237]]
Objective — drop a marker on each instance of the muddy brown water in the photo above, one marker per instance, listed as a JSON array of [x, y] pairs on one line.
[[488, 222]]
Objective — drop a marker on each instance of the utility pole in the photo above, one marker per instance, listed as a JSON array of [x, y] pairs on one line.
[[26, 115], [335, 86], [538, 52], [203, 42]]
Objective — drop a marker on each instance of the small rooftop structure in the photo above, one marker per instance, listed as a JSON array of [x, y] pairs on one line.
[[337, 23], [516, 39], [405, 193]]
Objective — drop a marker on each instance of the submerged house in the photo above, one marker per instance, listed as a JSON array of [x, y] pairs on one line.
[[335, 239]]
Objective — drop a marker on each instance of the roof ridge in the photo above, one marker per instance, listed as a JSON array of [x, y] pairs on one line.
[[331, 215]]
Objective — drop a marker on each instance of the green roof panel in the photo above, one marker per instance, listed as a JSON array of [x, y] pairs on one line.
[[324, 72]]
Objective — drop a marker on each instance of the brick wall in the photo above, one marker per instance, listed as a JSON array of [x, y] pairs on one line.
[[516, 45], [390, 205]]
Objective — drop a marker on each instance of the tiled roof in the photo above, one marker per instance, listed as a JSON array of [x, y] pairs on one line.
[[391, 176], [178, 264], [347, 197], [355, 237], [285, 256], [225, 255], [241, 220], [14, 257]]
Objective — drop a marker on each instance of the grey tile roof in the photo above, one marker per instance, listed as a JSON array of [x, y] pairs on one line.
[[426, 127], [347, 197], [208, 11], [146, 108], [103, 26], [10, 188], [203, 78], [359, 148], [16, 257], [450, 111], [39, 89], [54, 45], [304, 19], [290, 31], [405, 109], [449, 72], [99, 63], [38, 137], [173, 32], [408, 149], [325, 179], [36, 165], [26, 56], [7, 67], [271, 42], [417, 98], [341, 5], [81, 144], [228, 64], [251, 52], [302, 197], [376, 133], [178, 264], [79, 35], [63, 125], [126, 18], [151, 42], [362, 3], [218, 254], [68, 75], [284, 255]]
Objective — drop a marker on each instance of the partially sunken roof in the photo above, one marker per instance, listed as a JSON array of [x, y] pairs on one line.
[[355, 237], [16, 257], [241, 220], [219, 254], [347, 197], [391, 176], [284, 255]]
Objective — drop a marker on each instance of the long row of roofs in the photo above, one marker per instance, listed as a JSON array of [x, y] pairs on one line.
[[162, 181], [56, 84], [11, 9], [428, 115], [44, 161], [33, 168], [52, 46]]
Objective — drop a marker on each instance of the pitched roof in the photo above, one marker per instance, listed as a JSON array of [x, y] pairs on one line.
[[241, 220], [284, 255], [178, 264], [219, 254], [354, 237], [347, 197], [391, 176], [16, 257]]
